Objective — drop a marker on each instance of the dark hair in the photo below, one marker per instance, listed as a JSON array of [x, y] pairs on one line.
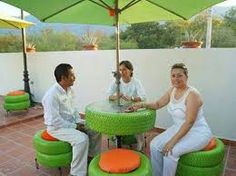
[[62, 70], [128, 65], [181, 66]]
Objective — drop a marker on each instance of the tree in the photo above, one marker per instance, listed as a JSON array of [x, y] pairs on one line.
[[10, 43], [230, 19], [146, 35]]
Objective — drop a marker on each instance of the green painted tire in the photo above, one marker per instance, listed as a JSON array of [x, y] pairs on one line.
[[50, 147], [17, 106], [205, 158], [143, 170], [114, 123], [16, 99], [184, 170], [61, 160]]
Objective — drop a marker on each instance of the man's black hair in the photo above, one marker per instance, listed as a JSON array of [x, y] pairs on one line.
[[62, 70]]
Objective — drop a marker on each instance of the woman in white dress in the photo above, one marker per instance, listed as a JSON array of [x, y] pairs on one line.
[[189, 132], [131, 90]]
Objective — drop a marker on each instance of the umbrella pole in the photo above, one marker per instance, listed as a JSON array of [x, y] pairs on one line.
[[117, 51], [25, 72]]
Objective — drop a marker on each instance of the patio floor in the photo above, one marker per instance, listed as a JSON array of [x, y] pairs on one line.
[[17, 154]]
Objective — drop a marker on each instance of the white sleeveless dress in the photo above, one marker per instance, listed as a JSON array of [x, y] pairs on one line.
[[196, 138]]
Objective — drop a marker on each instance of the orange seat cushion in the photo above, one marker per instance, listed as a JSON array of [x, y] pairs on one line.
[[16, 92], [210, 145], [46, 136], [119, 161]]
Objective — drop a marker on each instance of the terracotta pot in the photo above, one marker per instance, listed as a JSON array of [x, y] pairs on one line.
[[90, 47], [30, 50], [191, 44]]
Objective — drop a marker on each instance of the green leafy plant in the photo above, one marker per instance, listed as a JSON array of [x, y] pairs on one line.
[[90, 38], [30, 47]]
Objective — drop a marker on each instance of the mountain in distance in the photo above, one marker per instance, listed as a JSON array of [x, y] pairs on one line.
[[78, 29]]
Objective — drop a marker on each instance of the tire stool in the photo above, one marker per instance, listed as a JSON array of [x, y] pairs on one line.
[[51, 153], [202, 163], [144, 168]]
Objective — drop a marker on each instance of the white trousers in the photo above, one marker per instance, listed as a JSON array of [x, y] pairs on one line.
[[167, 165], [80, 146]]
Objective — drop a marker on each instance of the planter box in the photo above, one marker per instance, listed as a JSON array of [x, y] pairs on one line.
[[191, 44], [90, 47]]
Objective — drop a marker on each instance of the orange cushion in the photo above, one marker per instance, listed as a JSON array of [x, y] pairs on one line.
[[119, 161], [46, 136], [210, 145], [16, 92]]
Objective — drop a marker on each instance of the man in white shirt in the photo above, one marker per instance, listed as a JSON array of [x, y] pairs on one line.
[[64, 122]]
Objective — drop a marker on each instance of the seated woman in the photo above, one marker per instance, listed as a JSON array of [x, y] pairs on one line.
[[190, 131], [131, 89]]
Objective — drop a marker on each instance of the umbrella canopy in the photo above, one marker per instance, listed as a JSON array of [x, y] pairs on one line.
[[13, 23], [112, 12], [100, 11]]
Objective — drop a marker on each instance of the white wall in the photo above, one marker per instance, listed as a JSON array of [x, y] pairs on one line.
[[211, 71]]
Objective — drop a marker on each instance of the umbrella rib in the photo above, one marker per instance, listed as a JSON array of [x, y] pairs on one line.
[[9, 23], [106, 5], [130, 4], [44, 19], [167, 9]]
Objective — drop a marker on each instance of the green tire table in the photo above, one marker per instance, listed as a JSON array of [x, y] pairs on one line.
[[108, 118]]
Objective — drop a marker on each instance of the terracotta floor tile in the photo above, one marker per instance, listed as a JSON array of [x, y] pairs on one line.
[[19, 151], [3, 140], [229, 172], [18, 127], [8, 146], [5, 131], [27, 171], [30, 132], [232, 152], [14, 135], [28, 158], [231, 163], [55, 171], [10, 166], [4, 158]]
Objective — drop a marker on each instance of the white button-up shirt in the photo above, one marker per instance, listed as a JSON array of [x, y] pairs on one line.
[[59, 108]]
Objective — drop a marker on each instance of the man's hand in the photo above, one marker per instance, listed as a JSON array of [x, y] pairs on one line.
[[80, 127], [82, 115]]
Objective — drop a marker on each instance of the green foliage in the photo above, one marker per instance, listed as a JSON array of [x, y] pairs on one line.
[[49, 40], [230, 19], [10, 43], [145, 34]]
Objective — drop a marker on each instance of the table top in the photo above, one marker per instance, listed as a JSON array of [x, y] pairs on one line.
[[109, 118]]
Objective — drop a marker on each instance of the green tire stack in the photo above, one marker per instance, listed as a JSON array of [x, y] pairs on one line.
[[143, 170], [202, 163], [52, 153], [17, 102]]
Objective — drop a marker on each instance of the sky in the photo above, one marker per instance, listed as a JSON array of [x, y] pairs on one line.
[[10, 10]]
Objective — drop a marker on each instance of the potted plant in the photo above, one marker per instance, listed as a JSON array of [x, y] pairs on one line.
[[90, 40], [30, 48], [193, 32]]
